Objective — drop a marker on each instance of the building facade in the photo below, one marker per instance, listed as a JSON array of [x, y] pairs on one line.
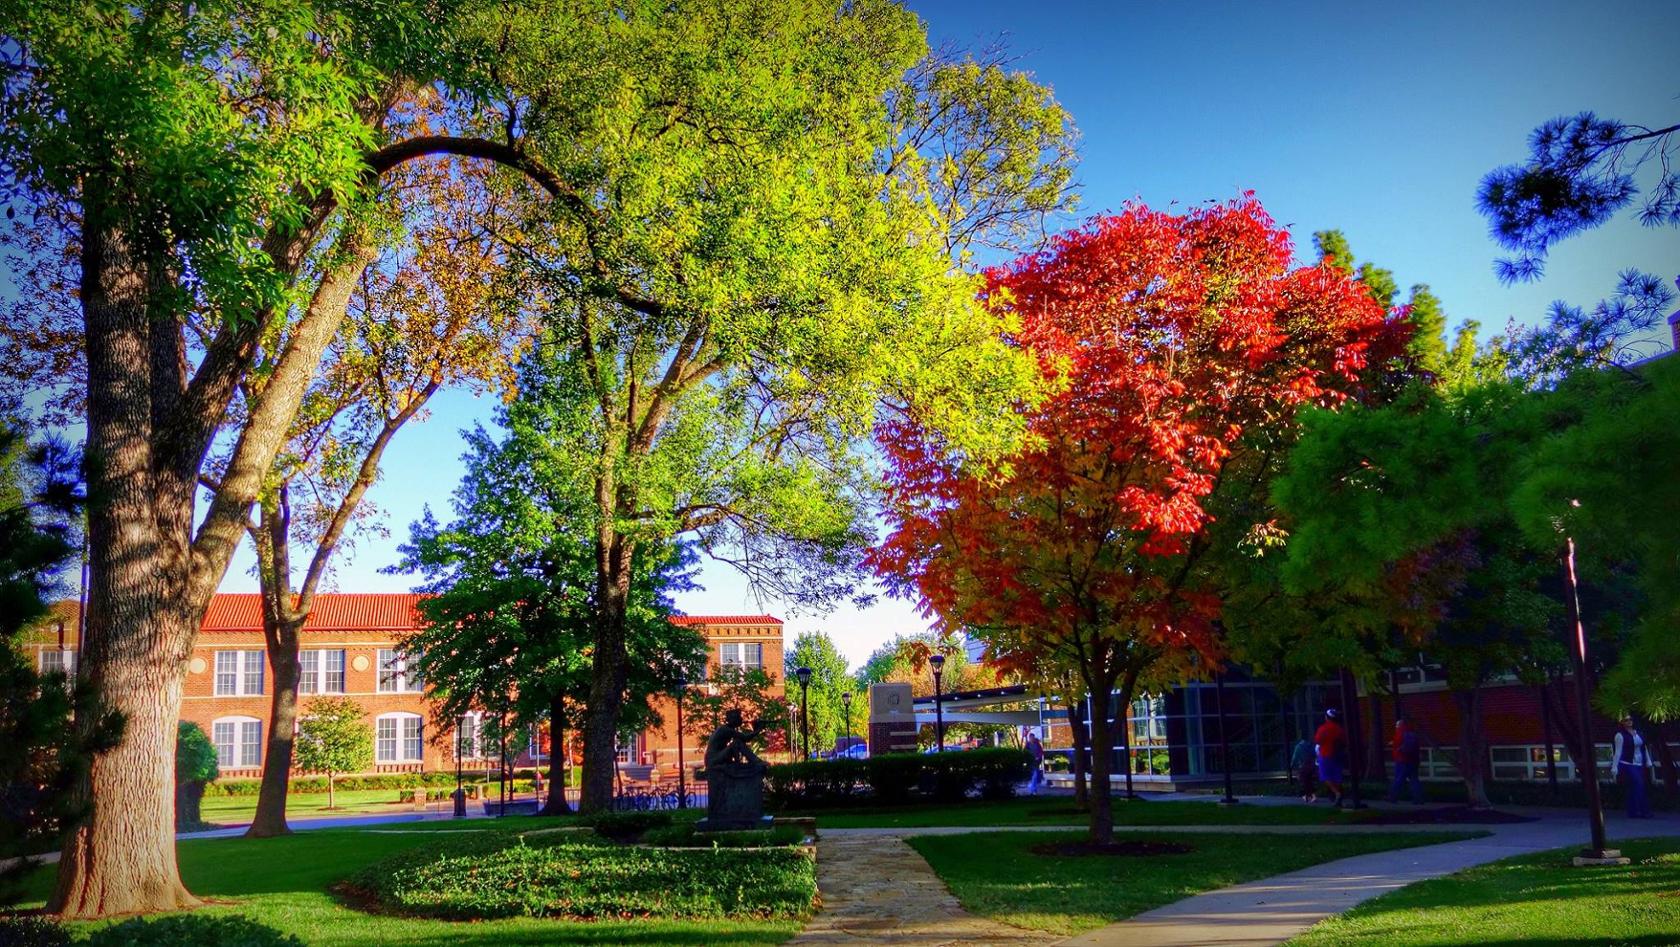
[[351, 648]]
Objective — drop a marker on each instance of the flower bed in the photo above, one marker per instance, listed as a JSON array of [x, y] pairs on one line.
[[569, 877]]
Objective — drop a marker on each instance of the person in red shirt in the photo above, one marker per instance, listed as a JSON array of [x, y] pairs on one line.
[[1332, 743], [1406, 756]]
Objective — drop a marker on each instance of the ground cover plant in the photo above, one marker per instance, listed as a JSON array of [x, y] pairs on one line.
[[499, 875], [284, 883], [1000, 876], [1537, 898]]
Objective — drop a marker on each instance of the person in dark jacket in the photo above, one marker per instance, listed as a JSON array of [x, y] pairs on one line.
[[1305, 764], [1633, 764], [1406, 753]]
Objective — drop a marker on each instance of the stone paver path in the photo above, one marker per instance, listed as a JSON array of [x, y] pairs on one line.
[[878, 890], [1272, 910]]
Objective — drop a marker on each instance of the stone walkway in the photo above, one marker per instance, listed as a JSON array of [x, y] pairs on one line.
[[878, 890]]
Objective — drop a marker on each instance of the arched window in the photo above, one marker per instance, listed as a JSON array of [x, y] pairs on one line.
[[398, 738], [239, 742]]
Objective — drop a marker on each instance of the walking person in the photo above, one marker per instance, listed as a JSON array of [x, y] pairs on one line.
[[1633, 763], [1332, 741], [1405, 762], [1035, 748], [1304, 762]]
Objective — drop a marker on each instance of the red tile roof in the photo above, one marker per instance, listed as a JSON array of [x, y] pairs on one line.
[[339, 611], [725, 620]]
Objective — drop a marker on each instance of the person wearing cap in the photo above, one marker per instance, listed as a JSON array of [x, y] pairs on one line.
[[1633, 761], [1331, 740]]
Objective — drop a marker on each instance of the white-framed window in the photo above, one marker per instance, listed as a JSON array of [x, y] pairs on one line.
[[628, 747], [239, 742], [397, 673], [323, 671], [741, 654], [470, 737], [56, 661], [538, 748], [398, 738], [239, 672]]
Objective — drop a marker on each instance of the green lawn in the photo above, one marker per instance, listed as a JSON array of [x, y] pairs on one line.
[[283, 883], [235, 809], [1533, 899], [996, 874], [1055, 810]]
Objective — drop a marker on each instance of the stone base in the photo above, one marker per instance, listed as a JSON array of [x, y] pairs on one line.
[[1610, 856], [710, 824]]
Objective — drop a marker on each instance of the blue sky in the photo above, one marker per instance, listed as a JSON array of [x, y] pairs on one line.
[[1378, 119]]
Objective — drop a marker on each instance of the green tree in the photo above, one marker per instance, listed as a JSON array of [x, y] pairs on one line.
[[510, 583], [830, 679], [195, 766], [1425, 316], [333, 737]]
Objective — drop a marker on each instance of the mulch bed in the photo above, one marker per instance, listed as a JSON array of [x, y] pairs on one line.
[[1134, 848], [1449, 815]]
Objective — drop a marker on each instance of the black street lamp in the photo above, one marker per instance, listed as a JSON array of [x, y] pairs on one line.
[[682, 777], [938, 663], [460, 797], [846, 702], [804, 675], [1588, 764], [1224, 744]]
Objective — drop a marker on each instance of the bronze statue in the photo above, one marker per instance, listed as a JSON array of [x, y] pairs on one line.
[[731, 743]]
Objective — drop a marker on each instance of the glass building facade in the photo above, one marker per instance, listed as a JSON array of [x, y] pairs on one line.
[[1175, 735]]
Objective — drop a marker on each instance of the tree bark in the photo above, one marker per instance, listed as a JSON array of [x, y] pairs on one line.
[[121, 859], [1076, 726], [556, 803], [281, 636], [608, 674], [1472, 746], [1102, 750]]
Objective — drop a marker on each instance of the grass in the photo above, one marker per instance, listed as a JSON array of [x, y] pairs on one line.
[[996, 874], [236, 809], [283, 882], [1532, 899], [1059, 810]]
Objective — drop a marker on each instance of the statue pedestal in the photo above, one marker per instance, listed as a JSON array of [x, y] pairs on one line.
[[734, 799]]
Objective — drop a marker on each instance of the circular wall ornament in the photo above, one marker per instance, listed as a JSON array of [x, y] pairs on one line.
[[196, 665], [360, 663]]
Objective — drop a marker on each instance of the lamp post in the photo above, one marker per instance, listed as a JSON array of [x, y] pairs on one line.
[[682, 777], [1224, 744], [1588, 764], [804, 675], [938, 663], [460, 797], [846, 702]]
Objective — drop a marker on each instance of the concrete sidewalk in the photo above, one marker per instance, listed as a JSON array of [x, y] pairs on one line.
[[1272, 910]]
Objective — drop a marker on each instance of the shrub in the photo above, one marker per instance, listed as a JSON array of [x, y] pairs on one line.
[[192, 930], [626, 826], [898, 778], [684, 836], [567, 878], [318, 784], [32, 932]]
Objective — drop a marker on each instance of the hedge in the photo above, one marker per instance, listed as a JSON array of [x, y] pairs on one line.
[[566, 877], [318, 784], [180, 930], [898, 778]]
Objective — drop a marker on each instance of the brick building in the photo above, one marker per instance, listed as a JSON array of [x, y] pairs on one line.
[[350, 648]]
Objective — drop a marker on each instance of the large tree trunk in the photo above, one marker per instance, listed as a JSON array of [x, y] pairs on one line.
[[1076, 726], [556, 803], [281, 636], [607, 676], [1375, 767], [121, 859], [1472, 746], [1102, 743]]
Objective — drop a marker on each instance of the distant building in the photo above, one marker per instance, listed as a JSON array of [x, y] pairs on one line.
[[350, 648]]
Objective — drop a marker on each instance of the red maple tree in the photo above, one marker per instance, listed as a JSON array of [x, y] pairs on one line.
[[1167, 341]]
